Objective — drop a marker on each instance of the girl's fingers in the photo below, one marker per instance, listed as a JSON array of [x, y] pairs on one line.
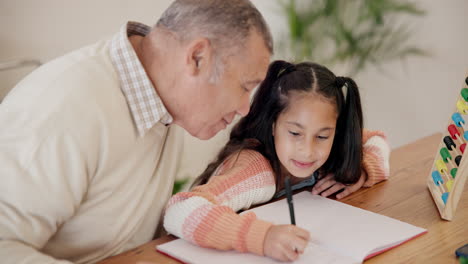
[[302, 233], [350, 189], [336, 187], [324, 180], [328, 186], [285, 242], [281, 255], [323, 184], [323, 187], [299, 241], [347, 191], [291, 254], [301, 245], [298, 245]]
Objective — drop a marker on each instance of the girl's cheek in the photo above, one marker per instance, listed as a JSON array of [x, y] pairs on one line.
[[324, 154]]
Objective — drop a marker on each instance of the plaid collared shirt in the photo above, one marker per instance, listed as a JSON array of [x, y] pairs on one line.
[[145, 104]]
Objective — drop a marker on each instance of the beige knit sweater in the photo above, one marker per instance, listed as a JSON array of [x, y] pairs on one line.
[[78, 183]]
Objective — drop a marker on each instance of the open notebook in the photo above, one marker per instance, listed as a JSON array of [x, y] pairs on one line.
[[340, 233]]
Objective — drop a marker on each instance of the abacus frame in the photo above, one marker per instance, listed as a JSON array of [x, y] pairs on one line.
[[447, 210]]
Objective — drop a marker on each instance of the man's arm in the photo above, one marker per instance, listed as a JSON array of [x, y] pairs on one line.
[[42, 186]]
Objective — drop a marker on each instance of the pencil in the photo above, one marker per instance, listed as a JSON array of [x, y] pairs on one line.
[[287, 187]]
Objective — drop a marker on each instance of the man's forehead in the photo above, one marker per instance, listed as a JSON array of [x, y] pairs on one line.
[[254, 58]]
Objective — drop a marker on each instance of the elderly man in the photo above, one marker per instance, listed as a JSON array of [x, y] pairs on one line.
[[88, 143]]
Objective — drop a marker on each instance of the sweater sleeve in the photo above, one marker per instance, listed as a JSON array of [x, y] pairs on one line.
[[376, 158], [206, 216], [37, 195]]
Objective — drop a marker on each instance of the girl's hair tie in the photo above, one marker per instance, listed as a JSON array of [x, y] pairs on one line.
[[286, 70], [340, 81]]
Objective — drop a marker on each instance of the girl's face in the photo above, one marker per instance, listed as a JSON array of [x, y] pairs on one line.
[[304, 133]]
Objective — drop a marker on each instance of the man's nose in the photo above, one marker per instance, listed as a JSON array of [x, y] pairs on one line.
[[244, 109]]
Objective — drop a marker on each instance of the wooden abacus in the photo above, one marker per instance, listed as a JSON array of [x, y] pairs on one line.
[[446, 186]]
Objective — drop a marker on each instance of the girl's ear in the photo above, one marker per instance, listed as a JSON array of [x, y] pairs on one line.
[[273, 129]]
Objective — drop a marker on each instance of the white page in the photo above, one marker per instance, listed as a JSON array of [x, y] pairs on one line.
[[343, 232], [342, 228], [189, 253]]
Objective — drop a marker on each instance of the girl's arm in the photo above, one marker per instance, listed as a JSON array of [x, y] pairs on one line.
[[376, 157], [207, 216], [375, 164]]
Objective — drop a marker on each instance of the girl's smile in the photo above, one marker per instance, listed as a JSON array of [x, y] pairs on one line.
[[304, 133], [302, 165]]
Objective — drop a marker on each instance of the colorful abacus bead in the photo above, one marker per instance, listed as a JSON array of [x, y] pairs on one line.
[[464, 93], [453, 172], [449, 185], [462, 107], [438, 179], [462, 147], [458, 160], [443, 170], [451, 145], [438, 195], [460, 122], [441, 167], [452, 129], [449, 142], [444, 153], [458, 119], [439, 183], [445, 197]]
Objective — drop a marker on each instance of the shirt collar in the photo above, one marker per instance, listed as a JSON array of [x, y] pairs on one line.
[[145, 104]]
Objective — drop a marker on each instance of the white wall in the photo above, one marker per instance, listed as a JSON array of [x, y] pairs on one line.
[[410, 100], [415, 98], [49, 28]]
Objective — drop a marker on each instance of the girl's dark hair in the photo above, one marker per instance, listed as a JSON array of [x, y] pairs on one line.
[[254, 131]]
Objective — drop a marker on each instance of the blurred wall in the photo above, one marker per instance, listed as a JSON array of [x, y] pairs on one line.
[[416, 97], [47, 29], [407, 100]]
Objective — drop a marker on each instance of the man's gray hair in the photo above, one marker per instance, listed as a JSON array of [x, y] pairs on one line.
[[226, 23], [220, 21]]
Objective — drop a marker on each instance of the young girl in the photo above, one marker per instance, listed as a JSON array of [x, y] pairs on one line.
[[305, 123]]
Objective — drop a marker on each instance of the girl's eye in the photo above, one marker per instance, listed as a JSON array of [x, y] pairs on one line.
[[293, 133], [323, 137]]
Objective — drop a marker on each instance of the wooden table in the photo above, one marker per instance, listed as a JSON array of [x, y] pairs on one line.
[[404, 196]]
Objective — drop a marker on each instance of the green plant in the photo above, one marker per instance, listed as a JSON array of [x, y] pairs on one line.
[[352, 32], [179, 185]]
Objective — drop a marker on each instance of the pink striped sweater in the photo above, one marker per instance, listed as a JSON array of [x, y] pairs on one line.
[[206, 216]]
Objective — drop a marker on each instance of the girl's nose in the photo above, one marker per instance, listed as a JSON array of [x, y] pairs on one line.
[[308, 149]]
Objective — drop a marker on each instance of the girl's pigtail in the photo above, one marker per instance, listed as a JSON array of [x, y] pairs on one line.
[[349, 132]]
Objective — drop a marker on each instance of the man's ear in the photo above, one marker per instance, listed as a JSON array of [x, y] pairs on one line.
[[199, 55]]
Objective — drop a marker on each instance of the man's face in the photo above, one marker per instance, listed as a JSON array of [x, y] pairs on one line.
[[215, 104]]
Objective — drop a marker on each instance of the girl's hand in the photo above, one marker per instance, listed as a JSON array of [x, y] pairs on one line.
[[328, 186], [285, 242]]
